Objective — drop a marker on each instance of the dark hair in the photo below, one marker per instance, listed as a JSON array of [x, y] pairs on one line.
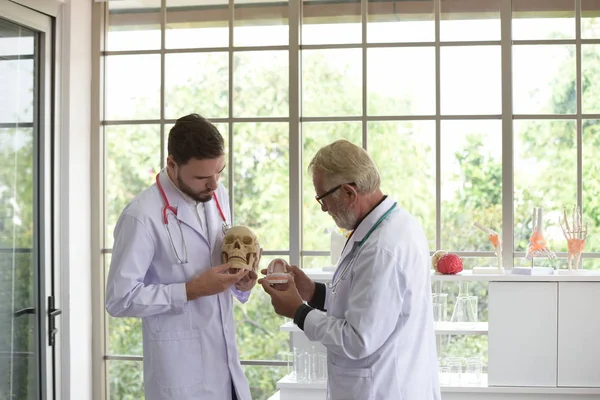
[[193, 136]]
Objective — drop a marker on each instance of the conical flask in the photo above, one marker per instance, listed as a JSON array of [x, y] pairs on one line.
[[465, 308]]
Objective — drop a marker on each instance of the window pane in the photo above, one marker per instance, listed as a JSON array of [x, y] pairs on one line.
[[544, 79], [590, 23], [166, 131], [465, 346], [331, 22], [316, 262], [393, 21], [405, 155], [401, 81], [316, 135], [471, 175], [482, 244], [543, 19], [199, 82], [545, 175], [591, 184], [263, 380], [126, 380], [17, 92], [556, 263], [124, 338], [261, 84], [331, 82], [471, 80], [133, 25], [258, 338], [261, 23], [590, 69], [470, 20], [17, 41], [124, 334], [17, 217], [15, 107], [197, 24], [261, 181], [132, 87], [223, 128], [131, 164], [591, 263], [19, 253]]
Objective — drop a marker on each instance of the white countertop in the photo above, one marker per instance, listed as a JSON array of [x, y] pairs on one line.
[[321, 275], [287, 382], [441, 328]]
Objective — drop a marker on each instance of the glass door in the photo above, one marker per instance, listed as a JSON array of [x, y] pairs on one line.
[[26, 281]]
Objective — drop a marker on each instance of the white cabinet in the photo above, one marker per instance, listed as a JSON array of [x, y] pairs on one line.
[[543, 340], [544, 334], [522, 335], [579, 334]]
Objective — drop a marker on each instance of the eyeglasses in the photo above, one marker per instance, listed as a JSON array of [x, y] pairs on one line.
[[330, 191]]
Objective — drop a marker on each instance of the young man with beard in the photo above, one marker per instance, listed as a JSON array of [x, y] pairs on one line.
[[166, 269]]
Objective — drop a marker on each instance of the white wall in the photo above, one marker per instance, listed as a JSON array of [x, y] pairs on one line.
[[75, 208]]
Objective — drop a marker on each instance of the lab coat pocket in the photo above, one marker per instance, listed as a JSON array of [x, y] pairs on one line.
[[177, 359], [351, 383]]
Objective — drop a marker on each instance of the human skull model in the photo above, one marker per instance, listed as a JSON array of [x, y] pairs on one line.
[[240, 248], [436, 257], [277, 271]]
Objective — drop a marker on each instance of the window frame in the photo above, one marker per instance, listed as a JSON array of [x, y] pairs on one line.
[[295, 253]]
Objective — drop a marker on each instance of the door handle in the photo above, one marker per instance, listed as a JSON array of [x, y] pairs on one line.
[[23, 311], [52, 314]]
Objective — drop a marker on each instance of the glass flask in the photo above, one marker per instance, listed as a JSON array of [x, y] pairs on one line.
[[473, 371], [440, 307], [300, 365], [465, 308]]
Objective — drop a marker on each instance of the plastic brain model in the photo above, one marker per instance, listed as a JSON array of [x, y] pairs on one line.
[[277, 271], [240, 248], [446, 263]]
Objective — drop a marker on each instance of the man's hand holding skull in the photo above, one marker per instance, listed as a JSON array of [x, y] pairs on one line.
[[212, 281]]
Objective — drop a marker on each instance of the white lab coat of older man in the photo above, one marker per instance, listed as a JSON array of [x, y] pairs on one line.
[[378, 329], [189, 346]]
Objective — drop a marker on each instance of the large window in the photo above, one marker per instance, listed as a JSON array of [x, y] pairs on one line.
[[473, 111]]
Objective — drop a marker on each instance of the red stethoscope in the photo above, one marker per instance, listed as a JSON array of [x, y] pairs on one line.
[[165, 214]]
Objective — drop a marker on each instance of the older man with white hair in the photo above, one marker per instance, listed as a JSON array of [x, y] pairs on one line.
[[375, 318]]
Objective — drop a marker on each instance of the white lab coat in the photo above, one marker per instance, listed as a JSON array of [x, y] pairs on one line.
[[189, 346], [378, 329]]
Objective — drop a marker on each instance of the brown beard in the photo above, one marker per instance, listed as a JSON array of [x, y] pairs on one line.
[[199, 197]]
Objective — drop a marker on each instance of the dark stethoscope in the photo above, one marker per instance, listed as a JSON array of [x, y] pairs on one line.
[[168, 207], [340, 274]]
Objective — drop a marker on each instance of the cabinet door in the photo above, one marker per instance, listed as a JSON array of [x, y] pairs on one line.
[[578, 334], [522, 334]]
